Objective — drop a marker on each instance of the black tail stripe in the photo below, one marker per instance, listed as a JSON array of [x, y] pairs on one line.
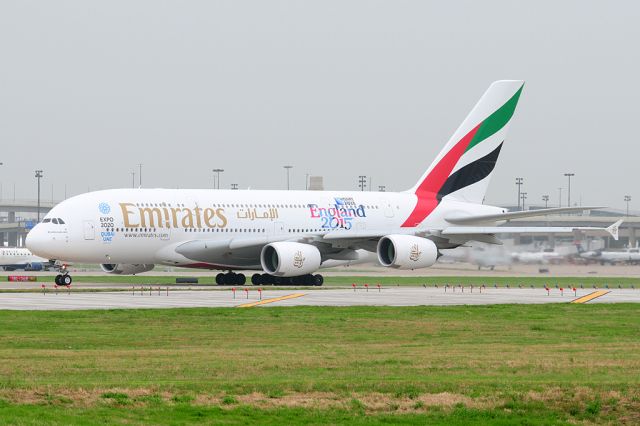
[[470, 174]]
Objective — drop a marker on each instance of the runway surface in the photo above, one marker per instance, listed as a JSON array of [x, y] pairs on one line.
[[394, 296]]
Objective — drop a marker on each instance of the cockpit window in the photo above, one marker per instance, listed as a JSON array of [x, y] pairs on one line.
[[60, 221], [54, 220], [47, 220]]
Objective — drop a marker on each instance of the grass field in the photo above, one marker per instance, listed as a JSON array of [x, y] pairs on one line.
[[525, 364]]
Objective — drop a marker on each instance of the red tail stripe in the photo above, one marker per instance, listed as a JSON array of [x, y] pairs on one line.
[[428, 189]]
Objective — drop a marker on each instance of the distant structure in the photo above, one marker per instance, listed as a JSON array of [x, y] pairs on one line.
[[316, 183]]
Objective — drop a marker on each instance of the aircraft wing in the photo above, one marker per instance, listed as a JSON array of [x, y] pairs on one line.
[[485, 218], [461, 234]]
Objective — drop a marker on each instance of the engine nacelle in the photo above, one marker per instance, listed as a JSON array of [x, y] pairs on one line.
[[406, 252], [35, 266], [287, 259], [126, 268]]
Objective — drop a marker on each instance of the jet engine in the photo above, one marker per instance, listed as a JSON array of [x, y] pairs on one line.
[[126, 268], [35, 266], [288, 259], [406, 252]]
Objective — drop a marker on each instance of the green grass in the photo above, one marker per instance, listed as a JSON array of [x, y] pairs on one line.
[[503, 364]]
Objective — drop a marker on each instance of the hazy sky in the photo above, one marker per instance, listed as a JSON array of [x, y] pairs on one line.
[[335, 88]]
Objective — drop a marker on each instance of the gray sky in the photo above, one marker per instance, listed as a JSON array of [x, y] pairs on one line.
[[335, 88]]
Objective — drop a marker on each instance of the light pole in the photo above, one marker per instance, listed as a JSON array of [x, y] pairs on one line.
[[133, 179], [569, 175], [38, 177], [560, 197], [288, 169], [381, 188], [519, 182], [216, 182], [545, 198], [140, 174], [306, 181], [362, 182], [627, 198], [524, 197]]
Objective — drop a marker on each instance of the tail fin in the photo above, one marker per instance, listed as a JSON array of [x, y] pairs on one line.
[[463, 168]]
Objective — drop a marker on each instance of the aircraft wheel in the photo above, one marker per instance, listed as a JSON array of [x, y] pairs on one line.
[[256, 279], [220, 279], [319, 280], [57, 280], [266, 279], [240, 279], [66, 280]]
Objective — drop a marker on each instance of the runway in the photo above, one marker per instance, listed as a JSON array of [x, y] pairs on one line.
[[392, 296]]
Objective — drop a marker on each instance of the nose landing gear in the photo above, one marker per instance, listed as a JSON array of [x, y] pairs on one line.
[[63, 279]]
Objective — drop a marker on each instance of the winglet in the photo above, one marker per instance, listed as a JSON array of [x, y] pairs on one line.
[[613, 229]]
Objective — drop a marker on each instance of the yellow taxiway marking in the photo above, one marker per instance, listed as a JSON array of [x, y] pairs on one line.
[[590, 296], [273, 299]]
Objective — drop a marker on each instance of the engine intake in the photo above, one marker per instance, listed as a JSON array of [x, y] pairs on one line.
[[126, 268], [287, 259], [406, 252]]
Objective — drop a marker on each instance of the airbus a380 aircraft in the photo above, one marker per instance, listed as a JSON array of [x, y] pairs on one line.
[[289, 235]]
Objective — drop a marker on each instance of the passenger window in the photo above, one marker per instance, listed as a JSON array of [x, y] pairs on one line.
[[46, 220], [54, 220], [61, 222]]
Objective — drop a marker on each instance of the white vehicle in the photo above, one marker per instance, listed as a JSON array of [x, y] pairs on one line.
[[289, 235], [12, 258]]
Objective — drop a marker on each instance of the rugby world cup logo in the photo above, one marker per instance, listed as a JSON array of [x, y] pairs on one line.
[[298, 260], [414, 253]]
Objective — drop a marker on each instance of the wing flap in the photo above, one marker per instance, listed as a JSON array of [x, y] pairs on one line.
[[567, 230], [478, 219]]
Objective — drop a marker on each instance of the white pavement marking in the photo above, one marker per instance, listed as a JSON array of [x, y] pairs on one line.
[[395, 296]]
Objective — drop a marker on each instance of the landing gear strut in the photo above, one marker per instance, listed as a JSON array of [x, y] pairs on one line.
[[230, 278], [266, 279]]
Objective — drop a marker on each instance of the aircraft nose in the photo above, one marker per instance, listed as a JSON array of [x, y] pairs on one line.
[[36, 241]]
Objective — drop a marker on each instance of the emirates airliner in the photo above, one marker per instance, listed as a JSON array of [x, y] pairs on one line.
[[288, 235]]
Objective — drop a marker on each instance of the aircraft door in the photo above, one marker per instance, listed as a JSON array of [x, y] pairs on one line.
[[278, 228], [388, 208], [89, 230]]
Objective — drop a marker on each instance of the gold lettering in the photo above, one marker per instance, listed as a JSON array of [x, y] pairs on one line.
[[208, 215], [187, 219], [151, 214], [223, 218], [174, 215], [125, 215], [166, 217], [198, 222]]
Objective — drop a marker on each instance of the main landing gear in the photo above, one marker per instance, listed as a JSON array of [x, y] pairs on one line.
[[266, 279], [230, 278]]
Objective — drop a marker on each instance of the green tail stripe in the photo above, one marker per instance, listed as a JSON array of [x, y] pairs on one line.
[[496, 121]]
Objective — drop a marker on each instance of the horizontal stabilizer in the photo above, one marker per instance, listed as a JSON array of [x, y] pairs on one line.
[[474, 219]]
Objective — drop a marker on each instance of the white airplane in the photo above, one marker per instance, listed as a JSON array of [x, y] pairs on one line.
[[629, 255], [12, 258], [289, 235], [544, 256]]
